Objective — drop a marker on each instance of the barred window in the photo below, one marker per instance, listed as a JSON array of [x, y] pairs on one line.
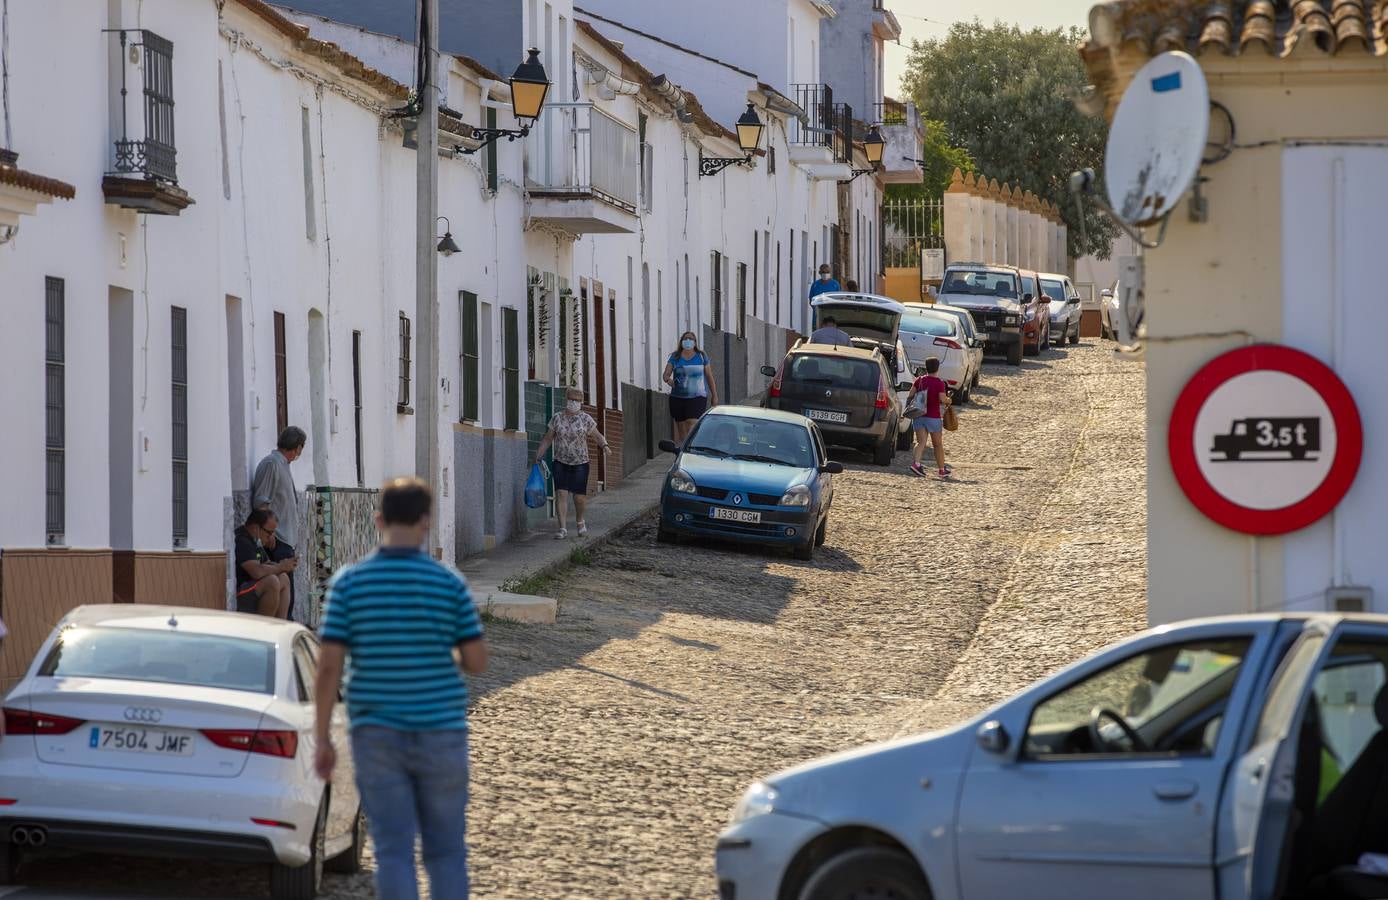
[[55, 407], [402, 398], [178, 375]]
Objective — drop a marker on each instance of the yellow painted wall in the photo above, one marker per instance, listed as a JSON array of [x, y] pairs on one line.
[[1210, 281], [903, 285]]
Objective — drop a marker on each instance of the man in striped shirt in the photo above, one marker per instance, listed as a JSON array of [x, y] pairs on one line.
[[404, 625]]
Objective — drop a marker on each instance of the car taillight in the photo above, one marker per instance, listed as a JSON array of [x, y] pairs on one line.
[[271, 743], [21, 721], [882, 400], [775, 390], [946, 342]]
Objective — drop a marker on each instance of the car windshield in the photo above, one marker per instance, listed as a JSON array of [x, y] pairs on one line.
[[987, 284], [168, 657], [858, 320], [1053, 289], [757, 440], [932, 325], [834, 371], [1028, 285]]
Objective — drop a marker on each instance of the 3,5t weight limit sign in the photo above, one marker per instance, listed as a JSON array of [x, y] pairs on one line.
[[1265, 439]]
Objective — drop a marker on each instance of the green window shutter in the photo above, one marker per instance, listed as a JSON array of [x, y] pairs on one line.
[[510, 366], [470, 357], [492, 181]]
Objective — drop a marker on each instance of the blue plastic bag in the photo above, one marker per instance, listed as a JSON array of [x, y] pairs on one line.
[[535, 493]]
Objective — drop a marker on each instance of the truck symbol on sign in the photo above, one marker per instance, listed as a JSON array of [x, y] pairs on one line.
[[1288, 438]]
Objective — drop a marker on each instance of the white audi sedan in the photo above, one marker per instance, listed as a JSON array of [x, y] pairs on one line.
[[168, 731]]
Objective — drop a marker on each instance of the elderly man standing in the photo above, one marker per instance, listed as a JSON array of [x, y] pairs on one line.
[[273, 485]]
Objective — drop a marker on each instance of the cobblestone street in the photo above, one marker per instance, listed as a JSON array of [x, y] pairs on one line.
[[609, 748]]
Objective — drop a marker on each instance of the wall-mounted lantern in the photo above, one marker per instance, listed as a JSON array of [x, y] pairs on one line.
[[529, 87], [447, 246], [873, 145], [749, 129]]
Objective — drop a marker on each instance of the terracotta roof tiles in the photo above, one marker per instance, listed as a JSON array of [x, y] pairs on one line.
[[1233, 27], [17, 177]]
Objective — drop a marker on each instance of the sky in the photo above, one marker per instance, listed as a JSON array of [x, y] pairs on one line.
[[922, 19]]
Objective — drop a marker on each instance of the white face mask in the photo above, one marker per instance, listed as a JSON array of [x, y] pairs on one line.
[[573, 406], [823, 276]]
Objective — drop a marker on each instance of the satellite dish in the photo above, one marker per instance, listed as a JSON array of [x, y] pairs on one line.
[[1158, 138]]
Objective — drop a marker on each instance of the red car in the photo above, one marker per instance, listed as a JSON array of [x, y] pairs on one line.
[[1036, 315]]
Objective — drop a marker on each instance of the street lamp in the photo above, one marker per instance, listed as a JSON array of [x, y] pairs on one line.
[[529, 85], [749, 129], [873, 145], [447, 246]]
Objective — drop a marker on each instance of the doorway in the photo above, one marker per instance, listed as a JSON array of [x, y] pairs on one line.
[[236, 395], [318, 393]]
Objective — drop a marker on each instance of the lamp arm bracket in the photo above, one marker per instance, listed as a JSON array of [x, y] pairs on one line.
[[490, 136], [712, 165]]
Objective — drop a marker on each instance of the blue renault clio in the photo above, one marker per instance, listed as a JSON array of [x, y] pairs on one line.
[[749, 474]]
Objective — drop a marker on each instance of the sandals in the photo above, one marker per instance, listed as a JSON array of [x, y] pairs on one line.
[[582, 529], [561, 534]]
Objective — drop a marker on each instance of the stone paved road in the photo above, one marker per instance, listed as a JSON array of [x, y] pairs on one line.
[[609, 748]]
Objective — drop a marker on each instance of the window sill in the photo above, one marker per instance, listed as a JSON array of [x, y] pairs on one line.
[[403, 410]]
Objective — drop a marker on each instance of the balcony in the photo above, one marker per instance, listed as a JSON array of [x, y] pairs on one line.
[[901, 128], [821, 142], [142, 172], [582, 170], [885, 25]]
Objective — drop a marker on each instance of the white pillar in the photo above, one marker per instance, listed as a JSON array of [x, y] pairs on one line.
[[1014, 256], [999, 254], [958, 224], [1024, 246]]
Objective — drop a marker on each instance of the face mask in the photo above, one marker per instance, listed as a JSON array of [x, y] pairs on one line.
[[573, 406], [823, 276], [687, 344]]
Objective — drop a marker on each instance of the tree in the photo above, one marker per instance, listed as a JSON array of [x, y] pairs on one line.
[[1003, 95]]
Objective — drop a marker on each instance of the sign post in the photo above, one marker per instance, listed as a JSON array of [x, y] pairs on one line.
[[1265, 440]]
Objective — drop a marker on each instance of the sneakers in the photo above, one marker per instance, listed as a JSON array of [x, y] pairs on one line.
[[947, 469], [561, 534], [582, 529], [918, 470], [945, 472]]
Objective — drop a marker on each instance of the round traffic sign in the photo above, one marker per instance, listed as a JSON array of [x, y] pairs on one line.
[[1265, 439]]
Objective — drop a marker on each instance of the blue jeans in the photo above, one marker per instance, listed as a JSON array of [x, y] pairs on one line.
[[415, 782]]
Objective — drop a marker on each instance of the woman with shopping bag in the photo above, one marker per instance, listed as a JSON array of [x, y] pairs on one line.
[[930, 395], [568, 433]]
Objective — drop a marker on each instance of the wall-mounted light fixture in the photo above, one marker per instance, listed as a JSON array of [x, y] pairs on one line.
[[447, 246], [749, 129], [873, 145], [529, 85]]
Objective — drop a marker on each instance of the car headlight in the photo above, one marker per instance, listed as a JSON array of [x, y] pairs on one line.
[[1009, 320], [758, 800], [681, 483], [1030, 314], [796, 496]]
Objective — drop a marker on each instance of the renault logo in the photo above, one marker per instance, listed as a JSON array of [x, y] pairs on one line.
[[828, 393], [143, 714], [737, 499]]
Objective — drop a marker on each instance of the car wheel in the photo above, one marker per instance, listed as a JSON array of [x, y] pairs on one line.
[[821, 532], [804, 551], [1075, 335], [302, 882], [664, 535], [1014, 354], [9, 863], [348, 862], [964, 395], [974, 383], [883, 453], [877, 872], [903, 440], [1045, 342]]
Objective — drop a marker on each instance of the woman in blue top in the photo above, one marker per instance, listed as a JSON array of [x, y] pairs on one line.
[[689, 373]]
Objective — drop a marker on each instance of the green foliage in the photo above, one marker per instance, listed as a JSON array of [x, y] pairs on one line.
[[1003, 94], [941, 159]]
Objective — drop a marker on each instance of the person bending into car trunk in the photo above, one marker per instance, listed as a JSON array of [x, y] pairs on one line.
[[930, 394], [406, 626]]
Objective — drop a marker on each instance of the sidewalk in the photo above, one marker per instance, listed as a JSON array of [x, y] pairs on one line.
[[538, 553]]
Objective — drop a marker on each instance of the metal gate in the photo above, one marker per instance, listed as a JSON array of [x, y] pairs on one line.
[[908, 227]]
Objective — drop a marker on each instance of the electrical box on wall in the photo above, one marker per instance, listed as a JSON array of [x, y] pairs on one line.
[[1350, 599]]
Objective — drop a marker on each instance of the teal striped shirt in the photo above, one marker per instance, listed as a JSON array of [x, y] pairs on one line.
[[400, 613]]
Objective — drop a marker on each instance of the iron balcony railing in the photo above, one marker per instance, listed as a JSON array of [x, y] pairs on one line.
[[817, 128], [843, 136], [145, 147], [577, 149], [891, 112]]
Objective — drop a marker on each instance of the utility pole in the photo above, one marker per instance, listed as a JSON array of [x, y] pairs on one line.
[[426, 407]]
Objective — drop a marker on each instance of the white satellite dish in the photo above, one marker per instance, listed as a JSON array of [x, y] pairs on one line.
[[1157, 138]]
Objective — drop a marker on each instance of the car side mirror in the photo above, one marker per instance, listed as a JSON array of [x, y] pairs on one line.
[[1026, 298], [903, 385], [831, 468], [668, 446], [768, 371], [920, 370], [992, 737]]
